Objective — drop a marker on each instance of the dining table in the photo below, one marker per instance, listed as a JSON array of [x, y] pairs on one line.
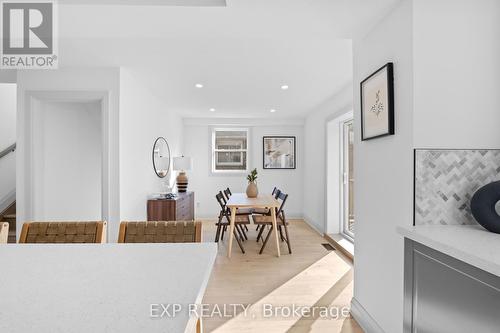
[[241, 200]]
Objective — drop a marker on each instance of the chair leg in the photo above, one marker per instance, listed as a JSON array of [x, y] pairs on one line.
[[242, 227], [239, 241], [260, 232], [246, 228], [287, 235], [238, 228], [267, 238], [217, 233], [223, 231], [281, 233]]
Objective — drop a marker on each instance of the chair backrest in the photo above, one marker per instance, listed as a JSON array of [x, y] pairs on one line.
[[227, 193], [64, 232], [274, 190], [282, 197], [160, 232], [221, 200], [4, 232]]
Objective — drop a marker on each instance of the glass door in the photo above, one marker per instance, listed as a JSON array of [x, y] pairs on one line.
[[347, 153]]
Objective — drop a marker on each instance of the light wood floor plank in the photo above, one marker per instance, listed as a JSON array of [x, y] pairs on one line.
[[311, 276]]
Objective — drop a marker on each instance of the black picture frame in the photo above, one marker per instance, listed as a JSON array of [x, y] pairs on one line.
[[153, 156], [389, 67], [279, 137]]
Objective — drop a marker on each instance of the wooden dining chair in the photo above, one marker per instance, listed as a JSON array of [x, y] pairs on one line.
[[266, 211], [242, 227], [160, 232], [4, 232], [239, 211], [64, 232], [281, 222], [224, 221]]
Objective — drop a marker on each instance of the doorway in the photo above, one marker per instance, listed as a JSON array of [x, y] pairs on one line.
[[340, 221], [67, 161], [67, 140], [347, 188]]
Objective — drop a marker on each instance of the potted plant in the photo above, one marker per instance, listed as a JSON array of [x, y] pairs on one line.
[[252, 190]]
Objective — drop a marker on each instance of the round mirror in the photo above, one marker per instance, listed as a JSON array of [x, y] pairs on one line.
[[161, 157]]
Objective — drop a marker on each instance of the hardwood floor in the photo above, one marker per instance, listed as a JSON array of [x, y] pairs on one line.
[[311, 277]]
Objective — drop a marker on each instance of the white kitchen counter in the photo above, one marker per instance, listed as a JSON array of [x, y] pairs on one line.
[[101, 287], [471, 244]]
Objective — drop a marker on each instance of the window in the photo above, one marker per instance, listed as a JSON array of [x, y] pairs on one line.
[[347, 226], [229, 150]]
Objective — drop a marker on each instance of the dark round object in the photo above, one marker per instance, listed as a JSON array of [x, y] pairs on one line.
[[483, 204]]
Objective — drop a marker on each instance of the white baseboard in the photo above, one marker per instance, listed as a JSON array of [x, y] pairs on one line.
[[367, 323], [308, 220], [7, 200]]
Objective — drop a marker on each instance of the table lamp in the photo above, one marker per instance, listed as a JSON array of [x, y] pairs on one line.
[[182, 164]]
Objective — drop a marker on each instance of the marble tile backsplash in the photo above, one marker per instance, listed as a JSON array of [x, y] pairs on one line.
[[446, 180]]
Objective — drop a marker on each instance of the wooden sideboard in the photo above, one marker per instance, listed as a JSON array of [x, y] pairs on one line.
[[178, 209]]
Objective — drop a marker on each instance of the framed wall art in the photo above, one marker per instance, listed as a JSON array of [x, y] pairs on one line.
[[279, 152], [377, 104]]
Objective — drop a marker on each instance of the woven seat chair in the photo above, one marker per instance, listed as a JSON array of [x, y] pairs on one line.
[[63, 232], [242, 217], [4, 232], [266, 211], [160, 232], [281, 222], [224, 220], [239, 211]]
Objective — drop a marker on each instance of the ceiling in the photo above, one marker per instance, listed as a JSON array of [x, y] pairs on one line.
[[242, 53]]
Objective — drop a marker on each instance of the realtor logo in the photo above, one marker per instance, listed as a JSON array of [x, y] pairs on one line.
[[28, 34]]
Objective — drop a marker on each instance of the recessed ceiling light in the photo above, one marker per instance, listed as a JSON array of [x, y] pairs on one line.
[[272, 110], [284, 87], [212, 110], [198, 85]]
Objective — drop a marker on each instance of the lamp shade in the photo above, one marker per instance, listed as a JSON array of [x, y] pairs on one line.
[[182, 163]]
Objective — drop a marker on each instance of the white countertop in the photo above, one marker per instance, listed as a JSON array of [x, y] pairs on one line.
[[471, 244], [100, 287]]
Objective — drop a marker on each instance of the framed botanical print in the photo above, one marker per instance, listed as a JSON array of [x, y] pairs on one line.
[[377, 104], [279, 152]]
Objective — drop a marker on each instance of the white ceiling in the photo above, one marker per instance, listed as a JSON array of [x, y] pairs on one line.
[[241, 53]]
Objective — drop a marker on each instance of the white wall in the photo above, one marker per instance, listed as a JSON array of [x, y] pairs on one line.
[[7, 137], [446, 72], [197, 144], [383, 174], [315, 198], [67, 164], [457, 73], [143, 118]]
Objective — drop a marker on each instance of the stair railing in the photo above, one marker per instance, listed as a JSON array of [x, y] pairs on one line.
[[8, 150]]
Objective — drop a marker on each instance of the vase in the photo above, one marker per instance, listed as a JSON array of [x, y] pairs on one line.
[[252, 190], [483, 204], [182, 182]]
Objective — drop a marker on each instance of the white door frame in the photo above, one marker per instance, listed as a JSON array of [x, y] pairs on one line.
[[32, 101], [334, 201]]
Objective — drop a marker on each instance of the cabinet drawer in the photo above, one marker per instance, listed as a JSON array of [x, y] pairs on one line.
[[182, 208]]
